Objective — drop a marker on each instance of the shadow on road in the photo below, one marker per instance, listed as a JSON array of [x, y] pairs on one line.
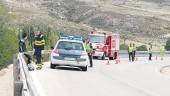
[[68, 68]]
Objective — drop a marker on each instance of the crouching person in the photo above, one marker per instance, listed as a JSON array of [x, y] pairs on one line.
[[23, 49]]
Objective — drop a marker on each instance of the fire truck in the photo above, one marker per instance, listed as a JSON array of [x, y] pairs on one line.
[[105, 45]]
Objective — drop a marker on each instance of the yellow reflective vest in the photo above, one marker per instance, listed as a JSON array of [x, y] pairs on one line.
[[162, 51], [134, 48], [39, 41], [130, 49], [149, 50], [88, 47]]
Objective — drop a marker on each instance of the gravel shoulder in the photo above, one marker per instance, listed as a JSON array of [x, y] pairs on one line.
[[6, 84]]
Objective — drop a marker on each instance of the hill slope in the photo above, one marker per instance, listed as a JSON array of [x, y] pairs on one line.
[[139, 20]]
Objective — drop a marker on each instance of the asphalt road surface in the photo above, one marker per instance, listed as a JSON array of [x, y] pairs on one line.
[[139, 78]]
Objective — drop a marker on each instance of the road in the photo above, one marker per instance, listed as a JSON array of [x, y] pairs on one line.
[[125, 79]]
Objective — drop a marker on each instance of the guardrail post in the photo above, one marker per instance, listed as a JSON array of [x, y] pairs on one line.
[[18, 88], [18, 85]]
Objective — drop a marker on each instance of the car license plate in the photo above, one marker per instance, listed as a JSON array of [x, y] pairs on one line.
[[70, 59], [97, 49], [78, 62]]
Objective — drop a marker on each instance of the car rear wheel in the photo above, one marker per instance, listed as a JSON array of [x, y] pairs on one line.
[[52, 66], [110, 58], [84, 68]]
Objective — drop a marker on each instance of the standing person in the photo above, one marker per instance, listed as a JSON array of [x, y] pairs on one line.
[[162, 52], [130, 50], [134, 52], [89, 50], [38, 45], [150, 52]]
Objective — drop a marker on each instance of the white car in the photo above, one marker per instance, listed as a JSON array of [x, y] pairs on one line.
[[69, 52]]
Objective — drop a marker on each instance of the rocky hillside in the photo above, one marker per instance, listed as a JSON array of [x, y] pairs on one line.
[[138, 20]]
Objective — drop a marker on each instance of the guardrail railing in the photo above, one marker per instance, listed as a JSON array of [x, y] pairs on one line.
[[23, 81], [124, 53], [22, 85]]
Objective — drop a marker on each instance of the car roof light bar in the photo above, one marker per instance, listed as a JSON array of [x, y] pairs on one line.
[[72, 37]]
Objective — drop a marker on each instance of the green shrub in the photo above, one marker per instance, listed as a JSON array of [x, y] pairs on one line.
[[9, 43], [123, 47], [142, 48], [8, 46], [49, 33]]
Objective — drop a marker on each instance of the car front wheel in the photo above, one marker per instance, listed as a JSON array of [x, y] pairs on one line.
[[52, 66], [84, 68]]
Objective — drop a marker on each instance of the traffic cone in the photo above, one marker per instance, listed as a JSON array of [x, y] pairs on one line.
[[116, 61], [108, 62], [118, 58]]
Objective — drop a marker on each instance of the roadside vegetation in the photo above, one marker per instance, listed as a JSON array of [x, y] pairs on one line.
[[10, 35], [167, 46], [8, 45], [50, 34]]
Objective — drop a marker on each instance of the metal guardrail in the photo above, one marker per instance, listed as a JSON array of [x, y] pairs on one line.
[[23, 81], [124, 53]]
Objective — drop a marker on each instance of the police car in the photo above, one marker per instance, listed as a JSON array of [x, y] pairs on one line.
[[69, 51]]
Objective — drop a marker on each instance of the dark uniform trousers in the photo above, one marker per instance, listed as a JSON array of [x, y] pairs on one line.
[[90, 58], [38, 51], [150, 56], [130, 56]]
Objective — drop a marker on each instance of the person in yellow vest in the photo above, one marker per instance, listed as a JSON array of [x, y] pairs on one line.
[[134, 52], [150, 52], [89, 50], [38, 45], [162, 52], [130, 52]]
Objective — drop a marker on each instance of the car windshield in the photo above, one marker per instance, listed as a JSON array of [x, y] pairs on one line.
[[70, 45], [97, 39]]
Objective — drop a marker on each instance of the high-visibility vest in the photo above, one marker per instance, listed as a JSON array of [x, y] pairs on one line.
[[88, 47], [130, 49], [39, 41], [149, 50], [134, 48], [162, 51]]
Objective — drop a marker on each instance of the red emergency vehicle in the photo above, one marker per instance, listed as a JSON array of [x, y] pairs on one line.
[[105, 45]]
